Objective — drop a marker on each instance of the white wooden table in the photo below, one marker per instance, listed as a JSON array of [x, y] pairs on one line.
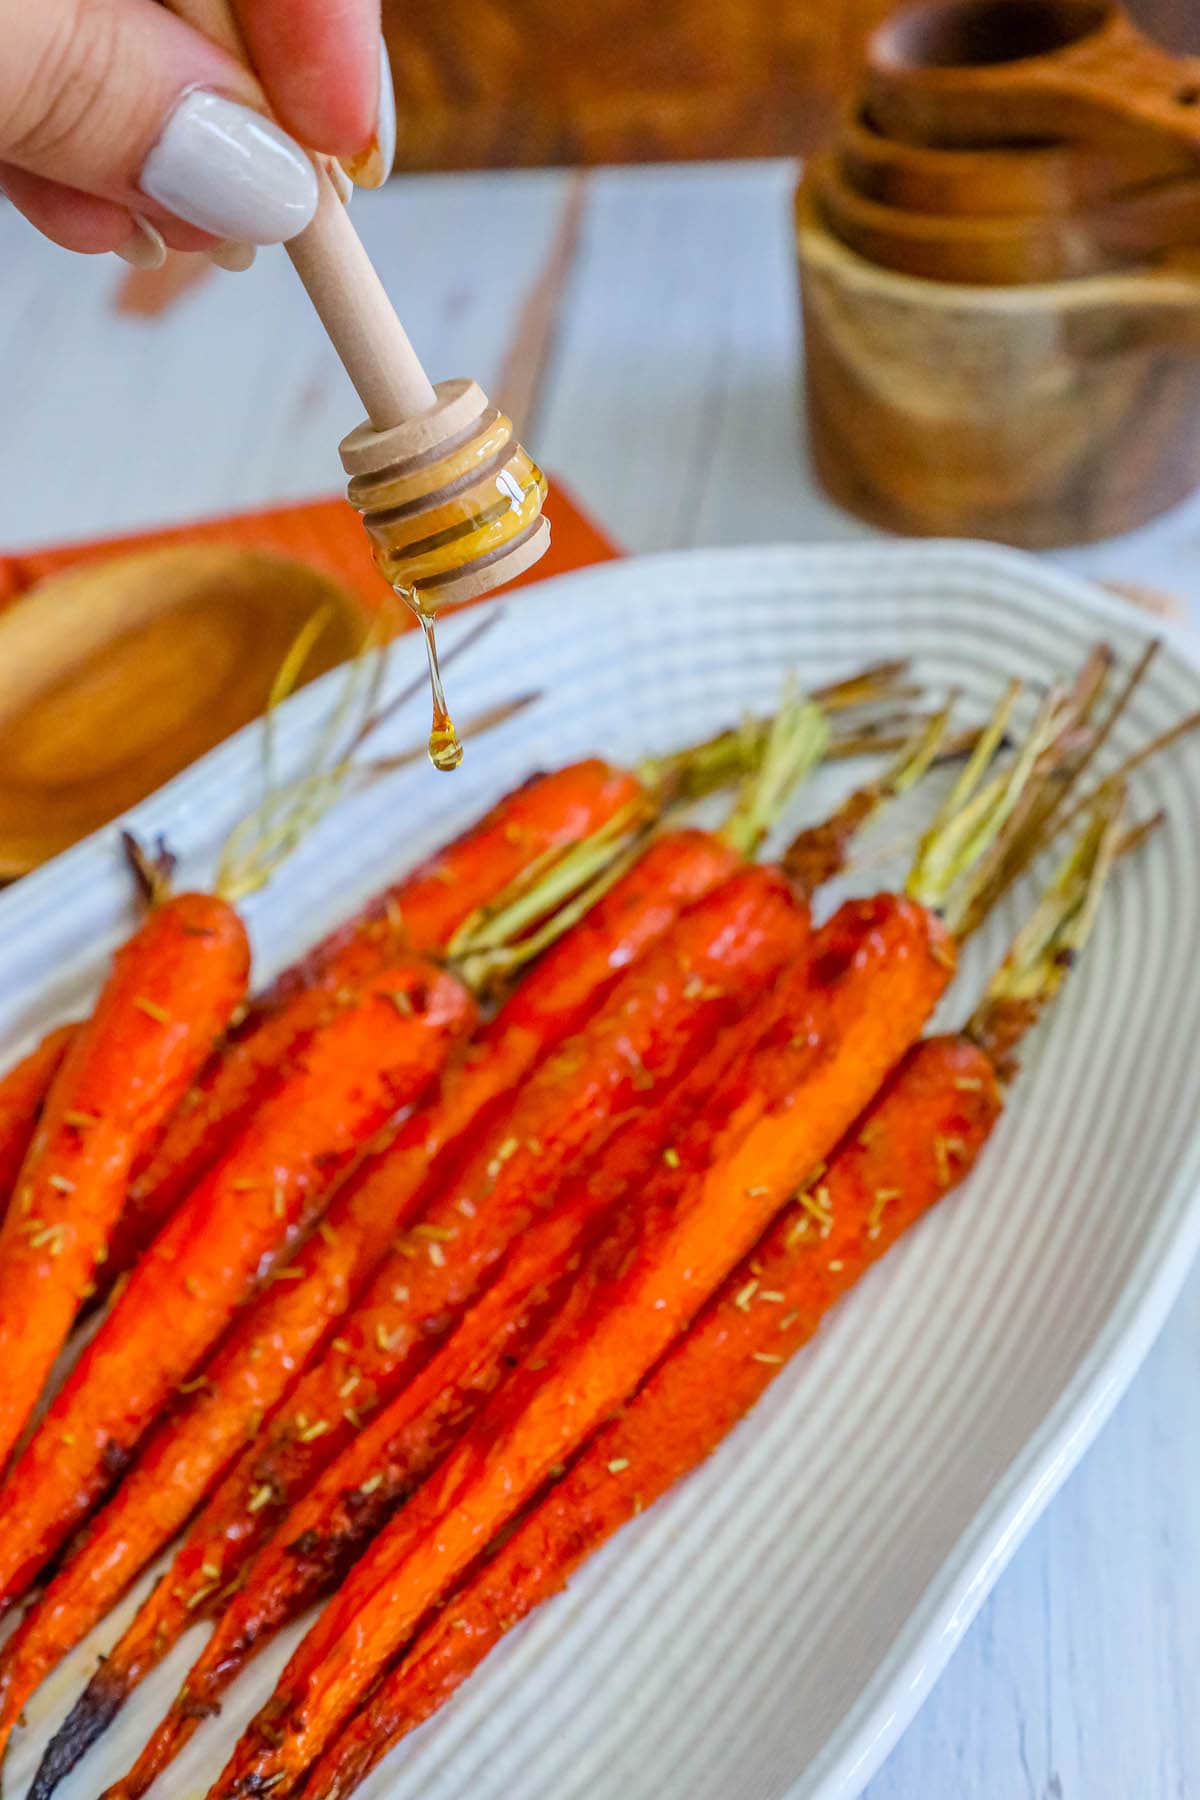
[[667, 396]]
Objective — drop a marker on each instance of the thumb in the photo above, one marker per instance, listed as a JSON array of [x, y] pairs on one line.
[[120, 99]]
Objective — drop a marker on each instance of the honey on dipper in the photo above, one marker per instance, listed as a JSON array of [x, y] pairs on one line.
[[447, 526]]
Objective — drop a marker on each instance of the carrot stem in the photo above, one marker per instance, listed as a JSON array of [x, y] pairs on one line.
[[728, 755], [1073, 746], [820, 852], [973, 815], [1050, 942], [548, 898], [795, 744]]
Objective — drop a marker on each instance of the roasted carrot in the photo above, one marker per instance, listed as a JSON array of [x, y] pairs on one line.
[[23, 1094], [547, 812], [276, 1337], [678, 867], [918, 1139], [376, 1053], [219, 1106], [376, 1491], [331, 1524], [835, 1031], [173, 985], [422, 913], [775, 769], [449, 893], [654, 1023]]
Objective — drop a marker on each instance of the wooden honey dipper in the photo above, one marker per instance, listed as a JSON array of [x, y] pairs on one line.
[[451, 502]]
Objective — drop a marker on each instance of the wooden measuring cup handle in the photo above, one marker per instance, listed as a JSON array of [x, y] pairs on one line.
[[1121, 74], [962, 72], [1038, 178]]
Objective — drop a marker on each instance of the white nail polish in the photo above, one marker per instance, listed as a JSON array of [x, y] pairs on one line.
[[371, 168], [144, 247], [226, 169], [235, 257]]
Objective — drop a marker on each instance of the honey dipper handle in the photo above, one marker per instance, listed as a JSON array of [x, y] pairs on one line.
[[354, 308], [339, 276]]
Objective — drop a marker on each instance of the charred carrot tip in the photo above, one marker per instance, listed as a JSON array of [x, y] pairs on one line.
[[87, 1720]]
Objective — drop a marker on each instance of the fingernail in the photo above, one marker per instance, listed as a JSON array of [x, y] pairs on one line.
[[372, 166], [234, 257], [144, 247], [225, 168]]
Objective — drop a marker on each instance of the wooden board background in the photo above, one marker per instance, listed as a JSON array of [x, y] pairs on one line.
[[489, 84]]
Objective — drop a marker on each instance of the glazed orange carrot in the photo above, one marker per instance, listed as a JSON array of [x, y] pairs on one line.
[[794, 742], [919, 1138], [289, 1321], [835, 1031], [375, 1054], [334, 1521], [420, 912], [173, 985], [23, 1093], [218, 1108], [655, 1022], [547, 812]]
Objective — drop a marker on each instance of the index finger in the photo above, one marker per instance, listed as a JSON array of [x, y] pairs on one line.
[[319, 63]]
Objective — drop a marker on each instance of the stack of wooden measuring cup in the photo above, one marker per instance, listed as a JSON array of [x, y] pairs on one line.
[[1000, 266]]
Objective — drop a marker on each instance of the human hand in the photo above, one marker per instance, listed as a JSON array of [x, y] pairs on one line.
[[122, 128]]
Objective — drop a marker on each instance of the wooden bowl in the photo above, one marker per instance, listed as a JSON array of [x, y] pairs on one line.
[[115, 675], [1040, 415]]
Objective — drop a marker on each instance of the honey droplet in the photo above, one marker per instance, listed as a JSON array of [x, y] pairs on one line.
[[445, 748], [445, 745]]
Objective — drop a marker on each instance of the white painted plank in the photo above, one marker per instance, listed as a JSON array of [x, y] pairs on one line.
[[672, 403], [675, 402]]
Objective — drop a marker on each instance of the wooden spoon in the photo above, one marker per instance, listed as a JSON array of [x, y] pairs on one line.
[[1000, 178], [1018, 248], [963, 72], [116, 675]]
